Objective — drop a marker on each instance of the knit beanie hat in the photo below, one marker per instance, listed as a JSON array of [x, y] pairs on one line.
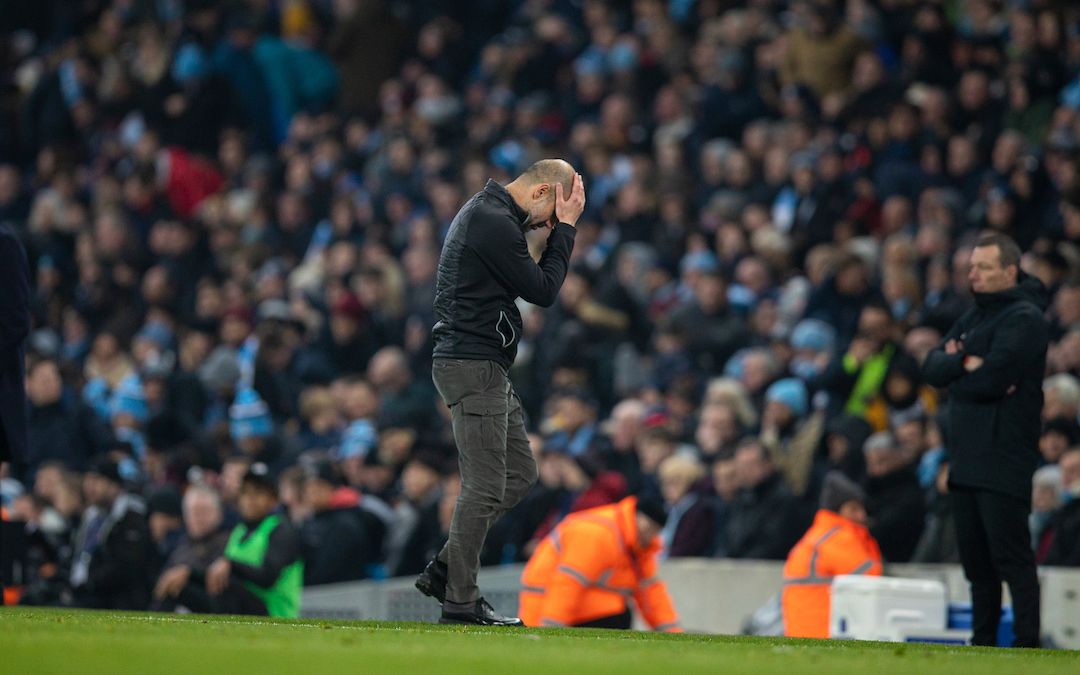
[[259, 475], [838, 490], [164, 500], [249, 416], [220, 369], [813, 335], [156, 333], [700, 261], [654, 509], [791, 392]]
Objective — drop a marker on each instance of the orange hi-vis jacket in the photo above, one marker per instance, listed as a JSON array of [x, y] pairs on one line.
[[590, 566], [832, 546], [10, 593]]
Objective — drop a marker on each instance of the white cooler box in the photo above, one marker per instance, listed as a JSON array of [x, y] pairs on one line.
[[885, 608]]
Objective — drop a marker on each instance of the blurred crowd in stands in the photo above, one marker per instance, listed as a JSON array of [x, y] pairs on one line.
[[233, 214]]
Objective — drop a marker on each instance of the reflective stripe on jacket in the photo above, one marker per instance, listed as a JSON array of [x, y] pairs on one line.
[[833, 545], [589, 567]]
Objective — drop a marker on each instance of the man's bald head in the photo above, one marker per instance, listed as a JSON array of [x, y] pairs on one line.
[[534, 190], [550, 171]]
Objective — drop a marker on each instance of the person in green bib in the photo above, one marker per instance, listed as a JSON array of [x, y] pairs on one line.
[[261, 572], [854, 378]]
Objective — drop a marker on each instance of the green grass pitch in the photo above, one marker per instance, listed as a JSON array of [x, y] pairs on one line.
[[43, 641]]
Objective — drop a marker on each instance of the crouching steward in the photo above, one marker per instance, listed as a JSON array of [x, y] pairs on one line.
[[261, 572], [837, 543], [587, 570]]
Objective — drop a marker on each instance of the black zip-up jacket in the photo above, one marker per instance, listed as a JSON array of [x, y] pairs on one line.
[[336, 546], [484, 267], [765, 521], [897, 512], [994, 429]]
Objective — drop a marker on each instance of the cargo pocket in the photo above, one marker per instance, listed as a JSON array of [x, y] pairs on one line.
[[484, 419]]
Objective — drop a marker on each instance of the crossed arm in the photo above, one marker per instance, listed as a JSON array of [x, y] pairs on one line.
[[1015, 345]]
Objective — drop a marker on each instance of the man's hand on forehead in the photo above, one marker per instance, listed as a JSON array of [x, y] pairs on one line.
[[568, 209]]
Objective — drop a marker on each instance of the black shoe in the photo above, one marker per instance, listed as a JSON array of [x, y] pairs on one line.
[[481, 615], [432, 581]]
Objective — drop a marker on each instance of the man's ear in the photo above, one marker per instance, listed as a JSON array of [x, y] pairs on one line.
[[541, 192]]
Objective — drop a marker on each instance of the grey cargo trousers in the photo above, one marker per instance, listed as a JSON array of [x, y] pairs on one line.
[[497, 466]]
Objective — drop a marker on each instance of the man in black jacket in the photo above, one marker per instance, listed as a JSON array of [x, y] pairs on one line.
[[112, 566], [765, 519], [992, 362], [894, 499], [715, 332], [334, 543], [485, 266]]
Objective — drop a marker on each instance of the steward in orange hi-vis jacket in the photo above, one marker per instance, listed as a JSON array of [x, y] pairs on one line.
[[585, 572], [837, 543], [10, 593]]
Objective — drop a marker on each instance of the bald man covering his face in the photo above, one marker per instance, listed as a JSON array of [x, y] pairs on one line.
[[485, 266]]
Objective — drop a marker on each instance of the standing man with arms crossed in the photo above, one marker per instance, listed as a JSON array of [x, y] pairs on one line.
[[485, 266], [992, 362]]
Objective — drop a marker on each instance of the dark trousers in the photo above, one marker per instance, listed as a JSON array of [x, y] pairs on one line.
[[496, 463], [995, 546], [236, 599], [620, 621]]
